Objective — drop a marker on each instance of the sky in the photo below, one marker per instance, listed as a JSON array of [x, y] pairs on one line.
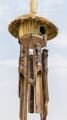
[[55, 11]]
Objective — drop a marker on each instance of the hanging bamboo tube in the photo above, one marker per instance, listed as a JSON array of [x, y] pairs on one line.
[[23, 83], [31, 88], [44, 84], [38, 78]]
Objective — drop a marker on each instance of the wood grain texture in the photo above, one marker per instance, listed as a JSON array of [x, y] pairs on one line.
[[31, 87], [44, 84], [23, 74], [38, 78]]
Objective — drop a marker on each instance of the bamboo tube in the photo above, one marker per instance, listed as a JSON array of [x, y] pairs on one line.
[[23, 79], [23, 100], [38, 78], [33, 7], [31, 99], [44, 84], [32, 82], [31, 88]]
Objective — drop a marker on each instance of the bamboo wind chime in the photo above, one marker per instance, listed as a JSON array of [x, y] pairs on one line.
[[33, 83], [33, 32]]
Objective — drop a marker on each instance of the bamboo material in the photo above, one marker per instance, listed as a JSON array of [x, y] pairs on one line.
[[44, 84], [32, 82], [33, 7], [38, 78], [23, 82], [33, 77], [31, 88], [31, 99], [23, 101]]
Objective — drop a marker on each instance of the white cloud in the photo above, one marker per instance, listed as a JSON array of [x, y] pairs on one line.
[[3, 10], [9, 63], [62, 40], [52, 2], [57, 61], [58, 64]]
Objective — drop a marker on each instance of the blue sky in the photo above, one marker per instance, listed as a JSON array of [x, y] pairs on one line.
[[55, 11]]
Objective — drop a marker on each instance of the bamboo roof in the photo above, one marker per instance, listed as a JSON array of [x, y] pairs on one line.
[[14, 25]]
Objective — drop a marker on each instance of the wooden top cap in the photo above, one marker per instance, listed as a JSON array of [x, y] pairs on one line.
[[13, 28]]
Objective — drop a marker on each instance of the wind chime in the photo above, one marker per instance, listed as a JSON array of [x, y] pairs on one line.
[[33, 32]]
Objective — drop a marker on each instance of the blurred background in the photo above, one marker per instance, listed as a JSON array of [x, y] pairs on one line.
[[55, 11]]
